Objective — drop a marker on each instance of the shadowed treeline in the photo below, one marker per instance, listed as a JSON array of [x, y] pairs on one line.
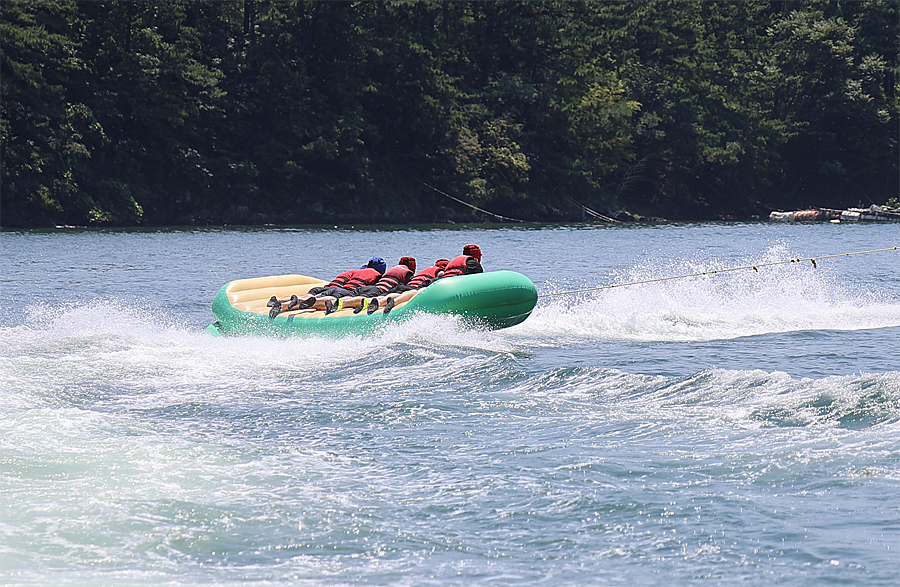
[[165, 112]]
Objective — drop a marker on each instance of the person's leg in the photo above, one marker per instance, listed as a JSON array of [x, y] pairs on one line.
[[308, 300], [279, 305], [276, 302], [358, 303], [315, 298], [392, 299], [335, 302], [405, 296], [359, 299], [320, 302], [384, 301], [341, 302]]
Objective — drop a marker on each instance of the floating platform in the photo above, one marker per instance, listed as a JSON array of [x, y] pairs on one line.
[[872, 213]]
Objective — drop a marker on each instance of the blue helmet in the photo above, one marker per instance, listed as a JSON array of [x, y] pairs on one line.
[[378, 264]]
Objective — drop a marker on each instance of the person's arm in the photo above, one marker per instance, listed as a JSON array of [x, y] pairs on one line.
[[473, 266]]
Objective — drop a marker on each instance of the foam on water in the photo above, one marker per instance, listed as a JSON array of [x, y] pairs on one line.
[[778, 299], [270, 480], [104, 350], [96, 355]]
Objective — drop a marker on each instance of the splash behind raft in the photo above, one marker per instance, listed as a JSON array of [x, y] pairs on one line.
[[492, 300]]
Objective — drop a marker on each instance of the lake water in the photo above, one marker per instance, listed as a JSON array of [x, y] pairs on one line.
[[739, 427]]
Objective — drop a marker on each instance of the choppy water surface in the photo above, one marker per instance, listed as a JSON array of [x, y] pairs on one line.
[[743, 426]]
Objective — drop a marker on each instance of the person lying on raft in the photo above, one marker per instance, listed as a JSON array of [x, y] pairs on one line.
[[466, 264], [371, 298], [342, 285], [423, 278], [397, 275]]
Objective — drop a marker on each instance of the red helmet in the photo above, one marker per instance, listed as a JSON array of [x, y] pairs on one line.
[[472, 251], [409, 262], [442, 263]]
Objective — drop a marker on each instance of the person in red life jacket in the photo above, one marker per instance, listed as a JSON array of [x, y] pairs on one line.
[[342, 285], [401, 292], [466, 264], [425, 277], [400, 274]]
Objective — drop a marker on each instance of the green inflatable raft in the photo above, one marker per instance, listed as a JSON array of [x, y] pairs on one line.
[[497, 299]]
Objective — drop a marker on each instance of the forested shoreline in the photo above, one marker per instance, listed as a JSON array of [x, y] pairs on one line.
[[251, 111]]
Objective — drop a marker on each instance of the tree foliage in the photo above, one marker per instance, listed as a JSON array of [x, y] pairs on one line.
[[192, 111]]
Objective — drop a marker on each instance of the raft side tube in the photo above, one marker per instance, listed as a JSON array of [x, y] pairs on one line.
[[252, 295], [496, 299]]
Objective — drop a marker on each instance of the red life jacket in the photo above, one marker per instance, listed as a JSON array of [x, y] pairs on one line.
[[355, 278], [424, 278], [456, 266], [394, 276]]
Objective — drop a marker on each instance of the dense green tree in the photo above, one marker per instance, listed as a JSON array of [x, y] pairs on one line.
[[816, 88], [158, 105], [877, 36], [172, 111], [42, 146]]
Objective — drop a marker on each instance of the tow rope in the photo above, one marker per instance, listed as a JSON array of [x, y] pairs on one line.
[[714, 271], [472, 206]]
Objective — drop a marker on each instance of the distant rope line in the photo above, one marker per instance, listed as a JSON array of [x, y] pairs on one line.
[[593, 213], [464, 203], [754, 267]]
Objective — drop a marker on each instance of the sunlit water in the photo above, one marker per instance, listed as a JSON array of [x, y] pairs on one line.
[[740, 427]]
